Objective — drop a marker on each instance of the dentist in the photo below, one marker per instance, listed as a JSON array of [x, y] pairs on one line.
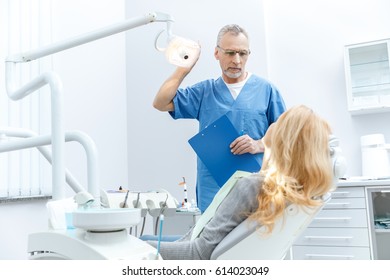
[[251, 103]]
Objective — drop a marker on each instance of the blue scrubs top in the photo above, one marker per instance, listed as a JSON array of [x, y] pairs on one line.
[[258, 105]]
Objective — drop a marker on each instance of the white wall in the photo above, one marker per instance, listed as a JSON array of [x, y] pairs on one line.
[[305, 42], [94, 81], [159, 154]]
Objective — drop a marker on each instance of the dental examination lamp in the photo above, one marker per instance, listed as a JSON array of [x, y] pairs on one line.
[[179, 51]]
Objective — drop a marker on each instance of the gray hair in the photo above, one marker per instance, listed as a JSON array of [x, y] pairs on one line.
[[235, 29]]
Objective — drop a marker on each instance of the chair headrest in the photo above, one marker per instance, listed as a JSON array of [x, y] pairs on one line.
[[339, 163]]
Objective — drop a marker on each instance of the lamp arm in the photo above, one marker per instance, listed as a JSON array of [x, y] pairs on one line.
[[45, 151], [90, 36], [15, 92], [32, 139]]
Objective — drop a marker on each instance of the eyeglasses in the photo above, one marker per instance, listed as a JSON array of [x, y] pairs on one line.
[[241, 53]]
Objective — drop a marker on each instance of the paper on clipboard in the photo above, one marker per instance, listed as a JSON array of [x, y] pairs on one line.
[[212, 147]]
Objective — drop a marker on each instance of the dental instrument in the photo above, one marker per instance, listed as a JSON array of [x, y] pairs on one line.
[[185, 203], [124, 203]]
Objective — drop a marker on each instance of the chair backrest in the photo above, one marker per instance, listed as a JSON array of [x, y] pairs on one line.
[[247, 241]]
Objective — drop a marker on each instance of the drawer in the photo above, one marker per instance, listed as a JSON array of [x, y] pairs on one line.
[[345, 203], [340, 218], [334, 237], [330, 253], [341, 192]]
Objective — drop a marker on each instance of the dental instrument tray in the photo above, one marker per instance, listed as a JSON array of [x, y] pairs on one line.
[[106, 219]]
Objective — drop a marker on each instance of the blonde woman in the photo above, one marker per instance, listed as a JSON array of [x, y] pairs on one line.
[[297, 169]]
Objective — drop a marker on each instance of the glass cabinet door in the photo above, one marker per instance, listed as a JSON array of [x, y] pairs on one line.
[[379, 217]]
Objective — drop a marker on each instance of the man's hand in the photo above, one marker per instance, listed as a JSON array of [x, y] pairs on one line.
[[245, 144]]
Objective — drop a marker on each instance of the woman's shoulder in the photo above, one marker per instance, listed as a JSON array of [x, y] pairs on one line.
[[254, 177], [253, 182]]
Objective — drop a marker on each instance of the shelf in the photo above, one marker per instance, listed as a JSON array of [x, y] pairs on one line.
[[368, 110], [381, 230], [381, 86], [369, 63]]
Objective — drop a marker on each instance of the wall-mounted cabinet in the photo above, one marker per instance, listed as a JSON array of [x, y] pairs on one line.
[[367, 71]]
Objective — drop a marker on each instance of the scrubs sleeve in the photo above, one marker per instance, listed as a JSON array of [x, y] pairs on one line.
[[187, 102], [276, 105]]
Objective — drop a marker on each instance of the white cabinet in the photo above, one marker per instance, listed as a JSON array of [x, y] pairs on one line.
[[354, 225], [367, 72], [339, 232]]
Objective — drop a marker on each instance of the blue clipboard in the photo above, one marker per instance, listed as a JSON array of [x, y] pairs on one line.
[[212, 147]]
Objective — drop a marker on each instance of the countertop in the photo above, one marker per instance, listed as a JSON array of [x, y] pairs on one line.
[[362, 182]]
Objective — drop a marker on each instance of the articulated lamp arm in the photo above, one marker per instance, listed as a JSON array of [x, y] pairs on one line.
[[50, 78], [91, 36]]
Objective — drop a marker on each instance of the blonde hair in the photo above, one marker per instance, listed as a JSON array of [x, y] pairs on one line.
[[299, 168]]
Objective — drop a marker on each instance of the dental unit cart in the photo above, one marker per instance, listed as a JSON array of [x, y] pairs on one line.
[[97, 235], [104, 233]]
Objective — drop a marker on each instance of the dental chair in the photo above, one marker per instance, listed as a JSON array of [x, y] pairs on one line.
[[248, 241]]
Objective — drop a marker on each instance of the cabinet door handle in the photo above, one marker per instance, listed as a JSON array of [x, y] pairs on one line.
[[338, 203], [328, 237], [333, 218], [330, 256], [341, 193]]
